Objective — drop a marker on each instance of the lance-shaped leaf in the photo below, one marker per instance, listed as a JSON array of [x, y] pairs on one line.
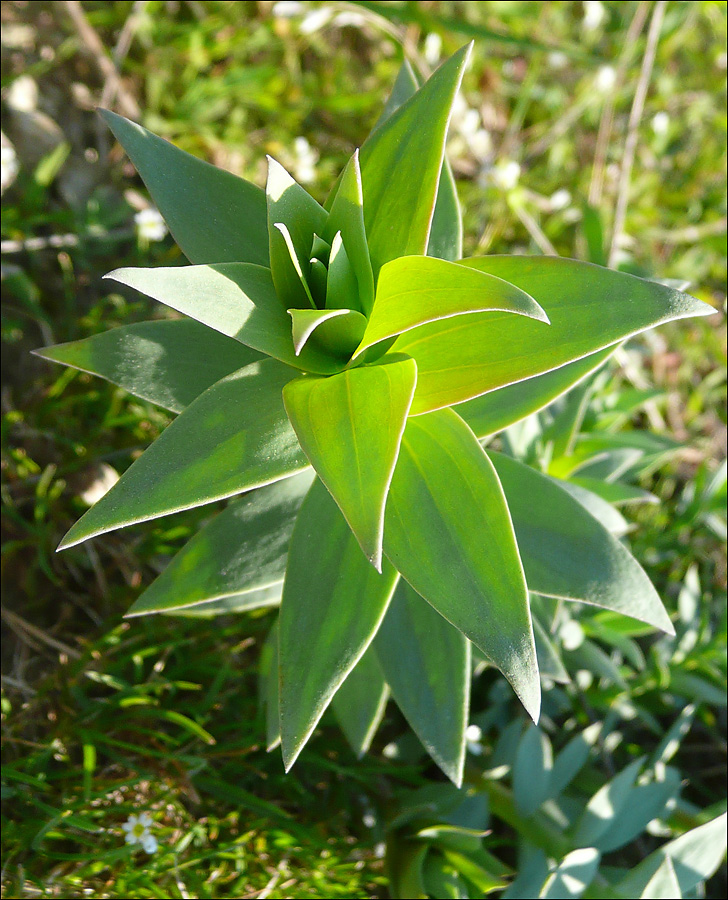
[[242, 550], [333, 603], [213, 215], [426, 663], [496, 410], [567, 553], [400, 166], [268, 688], [234, 603], [234, 437], [342, 290], [169, 362], [350, 426], [236, 299], [446, 233], [448, 531], [292, 206], [413, 290], [346, 218], [590, 308], [338, 331], [360, 702]]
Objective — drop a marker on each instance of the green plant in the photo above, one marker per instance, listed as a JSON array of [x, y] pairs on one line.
[[353, 339]]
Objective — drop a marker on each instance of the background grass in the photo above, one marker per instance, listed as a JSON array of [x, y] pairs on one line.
[[102, 718]]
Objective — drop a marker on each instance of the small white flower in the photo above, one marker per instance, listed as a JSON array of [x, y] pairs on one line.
[[505, 174], [304, 165], [285, 9], [606, 79], [594, 15], [10, 166], [137, 832], [150, 225], [473, 737], [354, 19], [560, 199], [660, 123], [558, 60], [433, 48], [315, 20]]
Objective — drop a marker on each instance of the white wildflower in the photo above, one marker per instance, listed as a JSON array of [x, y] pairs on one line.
[[315, 20], [660, 123], [137, 830], [433, 48], [558, 60], [150, 225], [505, 174], [559, 199], [304, 164], [606, 79], [594, 15], [10, 165], [285, 9], [473, 737]]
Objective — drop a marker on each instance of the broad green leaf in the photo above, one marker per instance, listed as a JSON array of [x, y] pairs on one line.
[[484, 880], [268, 688], [496, 410], [333, 603], [573, 875], [236, 299], [405, 862], [213, 215], [169, 362], [695, 857], [346, 218], [616, 492], [234, 603], [292, 206], [568, 554], [664, 884], [606, 806], [234, 437], [413, 290], [426, 663], [532, 770], [350, 426], [532, 871], [644, 803], [342, 291], [590, 308], [337, 331], [446, 233], [448, 531], [243, 549], [603, 512], [401, 163], [572, 759], [441, 879], [360, 701]]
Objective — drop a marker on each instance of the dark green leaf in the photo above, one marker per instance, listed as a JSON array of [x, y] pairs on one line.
[[567, 553], [360, 701], [243, 549], [169, 362], [448, 531], [426, 663], [234, 437], [213, 215], [532, 770], [333, 603]]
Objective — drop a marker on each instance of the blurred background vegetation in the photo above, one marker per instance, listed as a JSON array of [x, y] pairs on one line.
[[566, 141]]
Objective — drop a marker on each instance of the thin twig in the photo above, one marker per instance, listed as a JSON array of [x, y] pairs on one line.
[[118, 55], [533, 228], [93, 43], [27, 629], [635, 116]]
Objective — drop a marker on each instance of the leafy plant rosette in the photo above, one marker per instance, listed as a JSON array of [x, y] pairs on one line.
[[336, 366]]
